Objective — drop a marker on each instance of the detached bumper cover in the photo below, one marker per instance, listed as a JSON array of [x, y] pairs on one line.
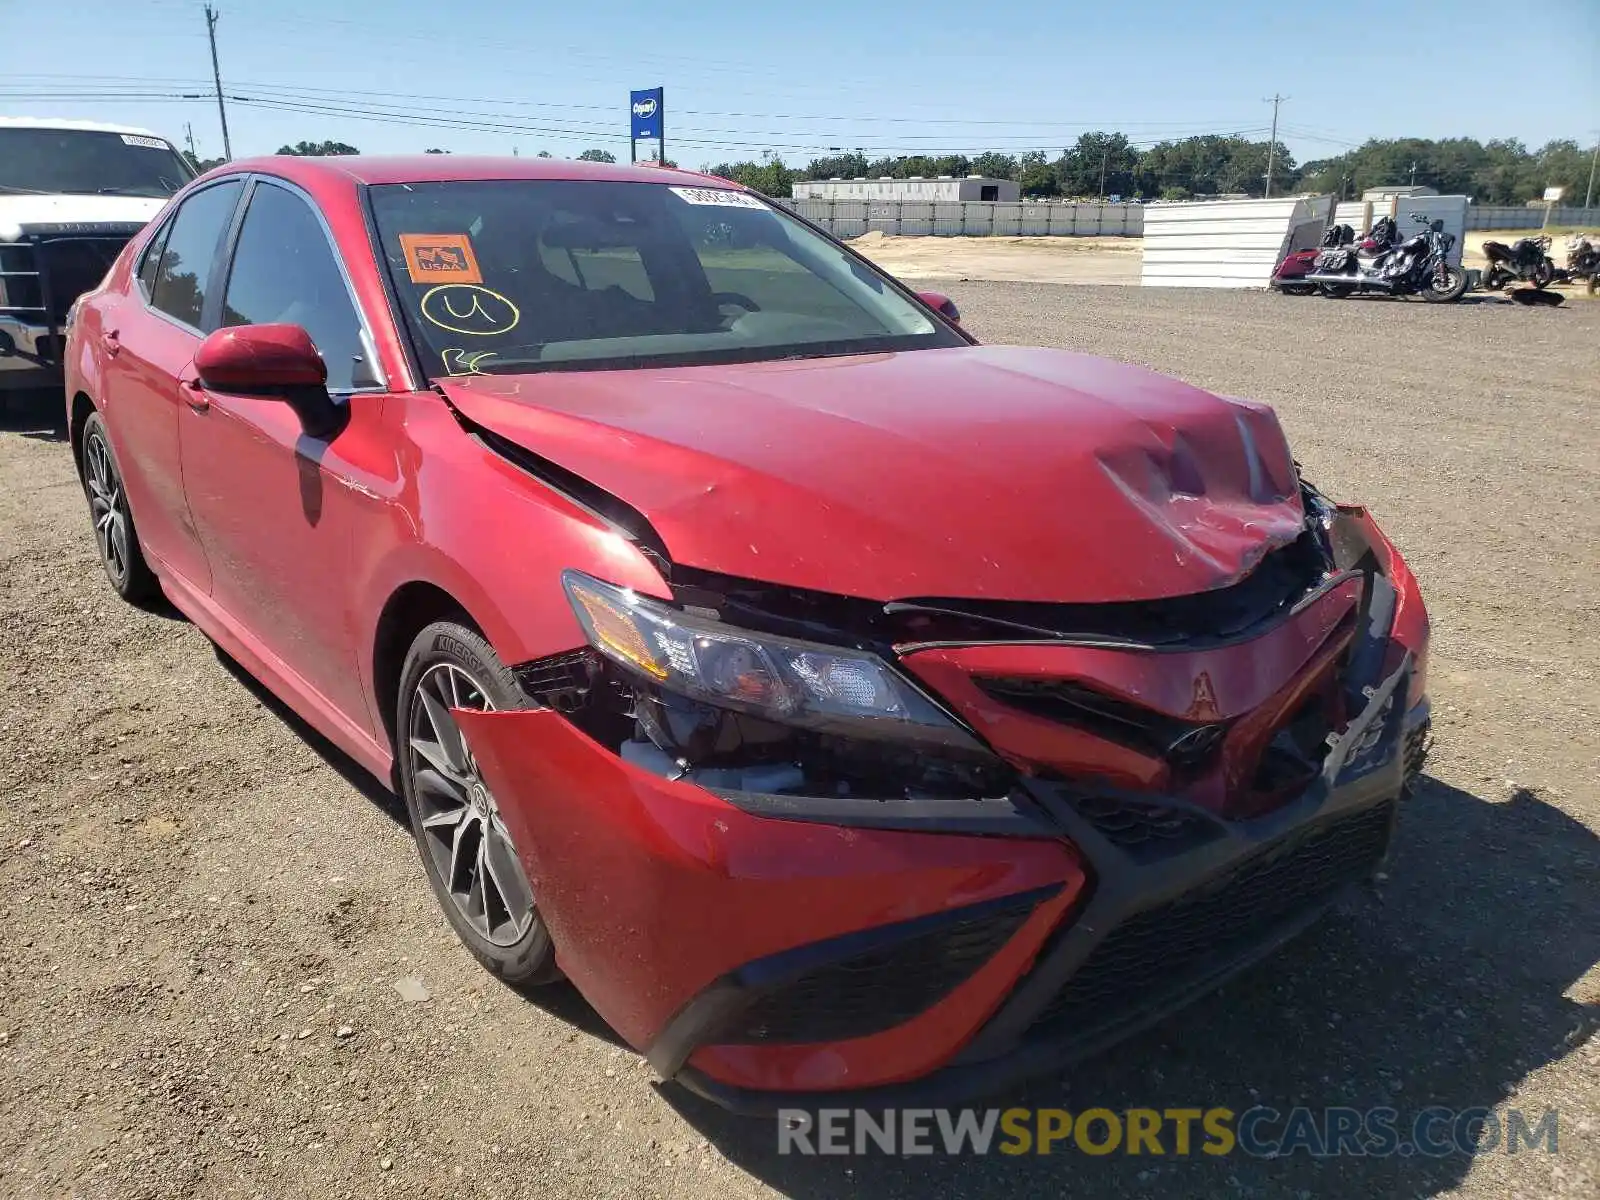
[[918, 965]]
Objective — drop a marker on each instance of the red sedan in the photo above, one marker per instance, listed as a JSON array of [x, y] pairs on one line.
[[844, 707]]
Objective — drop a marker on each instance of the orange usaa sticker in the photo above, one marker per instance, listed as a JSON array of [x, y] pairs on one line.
[[440, 258]]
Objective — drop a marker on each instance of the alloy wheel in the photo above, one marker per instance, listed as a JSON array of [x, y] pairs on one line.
[[108, 506], [466, 839]]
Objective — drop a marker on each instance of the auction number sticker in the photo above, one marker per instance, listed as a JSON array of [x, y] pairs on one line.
[[440, 258], [717, 197], [149, 143]]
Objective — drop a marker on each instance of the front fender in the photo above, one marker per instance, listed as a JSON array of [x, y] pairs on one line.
[[468, 522]]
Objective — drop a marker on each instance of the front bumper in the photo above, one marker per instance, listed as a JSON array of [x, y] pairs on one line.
[[30, 355], [768, 963]]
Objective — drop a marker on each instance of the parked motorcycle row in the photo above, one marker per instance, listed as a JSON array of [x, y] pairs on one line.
[[1384, 263]]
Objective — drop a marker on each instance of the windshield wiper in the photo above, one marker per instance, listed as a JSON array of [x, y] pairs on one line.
[[22, 191], [142, 192]]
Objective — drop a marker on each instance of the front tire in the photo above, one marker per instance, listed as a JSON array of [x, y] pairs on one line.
[[114, 533], [1454, 288], [466, 849]]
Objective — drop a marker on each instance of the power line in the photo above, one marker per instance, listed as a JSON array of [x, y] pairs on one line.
[[1086, 125]]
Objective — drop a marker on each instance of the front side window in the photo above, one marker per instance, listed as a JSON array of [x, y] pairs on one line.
[[89, 162], [284, 272], [528, 275], [180, 284]]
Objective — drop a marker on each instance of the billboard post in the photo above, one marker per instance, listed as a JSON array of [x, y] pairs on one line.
[[648, 121]]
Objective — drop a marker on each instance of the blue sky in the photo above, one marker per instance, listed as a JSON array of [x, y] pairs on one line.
[[931, 75]]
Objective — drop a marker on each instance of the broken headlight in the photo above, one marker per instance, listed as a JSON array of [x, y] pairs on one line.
[[793, 682]]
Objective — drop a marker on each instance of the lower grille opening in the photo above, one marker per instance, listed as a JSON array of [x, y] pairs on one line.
[[877, 990], [1149, 829], [1221, 921]]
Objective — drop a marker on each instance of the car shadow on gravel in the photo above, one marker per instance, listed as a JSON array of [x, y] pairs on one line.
[[37, 415], [1440, 985], [338, 761]]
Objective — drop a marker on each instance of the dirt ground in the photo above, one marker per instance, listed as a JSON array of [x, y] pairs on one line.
[[1007, 259], [223, 974]]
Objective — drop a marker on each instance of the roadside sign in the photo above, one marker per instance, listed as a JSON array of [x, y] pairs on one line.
[[1552, 194], [647, 121]]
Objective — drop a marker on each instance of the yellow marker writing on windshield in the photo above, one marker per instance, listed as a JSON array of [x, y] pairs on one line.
[[466, 308], [462, 362]]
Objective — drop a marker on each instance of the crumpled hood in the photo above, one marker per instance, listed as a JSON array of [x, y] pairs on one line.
[[17, 211], [984, 472]]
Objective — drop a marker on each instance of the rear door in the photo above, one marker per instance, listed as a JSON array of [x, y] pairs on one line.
[[276, 509], [149, 337]]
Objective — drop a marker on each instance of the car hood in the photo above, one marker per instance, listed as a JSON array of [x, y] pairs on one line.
[[981, 472], [45, 212]]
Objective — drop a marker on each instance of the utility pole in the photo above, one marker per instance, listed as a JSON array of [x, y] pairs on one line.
[[1413, 172], [1105, 153], [1272, 145], [188, 134], [1588, 192], [216, 75]]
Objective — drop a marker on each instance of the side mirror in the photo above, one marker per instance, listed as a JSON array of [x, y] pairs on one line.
[[274, 362], [941, 304]]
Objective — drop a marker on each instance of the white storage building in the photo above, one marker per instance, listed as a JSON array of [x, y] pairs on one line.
[[915, 189]]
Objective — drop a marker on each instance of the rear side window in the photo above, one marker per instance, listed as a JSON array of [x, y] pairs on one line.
[[284, 272], [150, 261], [179, 288]]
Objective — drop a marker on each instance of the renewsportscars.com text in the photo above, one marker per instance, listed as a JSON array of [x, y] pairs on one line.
[[1260, 1131]]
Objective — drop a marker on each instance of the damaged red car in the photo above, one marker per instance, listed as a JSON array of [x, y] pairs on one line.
[[849, 710]]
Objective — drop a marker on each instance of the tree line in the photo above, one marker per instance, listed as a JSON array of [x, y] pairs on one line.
[[1103, 164], [1108, 164]]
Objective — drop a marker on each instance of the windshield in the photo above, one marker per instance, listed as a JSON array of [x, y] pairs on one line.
[[89, 162], [528, 275]]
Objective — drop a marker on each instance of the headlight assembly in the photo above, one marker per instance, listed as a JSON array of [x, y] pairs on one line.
[[794, 682]]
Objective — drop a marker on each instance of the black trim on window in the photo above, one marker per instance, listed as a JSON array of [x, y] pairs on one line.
[[216, 253], [213, 316]]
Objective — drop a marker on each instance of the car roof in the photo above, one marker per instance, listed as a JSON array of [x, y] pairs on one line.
[[66, 123], [434, 168]]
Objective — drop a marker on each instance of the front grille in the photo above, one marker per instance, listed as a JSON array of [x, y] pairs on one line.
[[19, 282], [74, 265], [1218, 922], [1186, 744], [875, 991], [1140, 825]]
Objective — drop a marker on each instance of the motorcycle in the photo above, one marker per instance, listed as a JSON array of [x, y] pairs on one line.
[[1417, 266], [1289, 278], [1583, 260], [1527, 259]]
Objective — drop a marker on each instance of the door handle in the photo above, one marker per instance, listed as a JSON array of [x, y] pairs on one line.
[[110, 341], [193, 396]]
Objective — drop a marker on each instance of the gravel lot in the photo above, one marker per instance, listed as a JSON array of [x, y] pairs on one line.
[[207, 912]]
